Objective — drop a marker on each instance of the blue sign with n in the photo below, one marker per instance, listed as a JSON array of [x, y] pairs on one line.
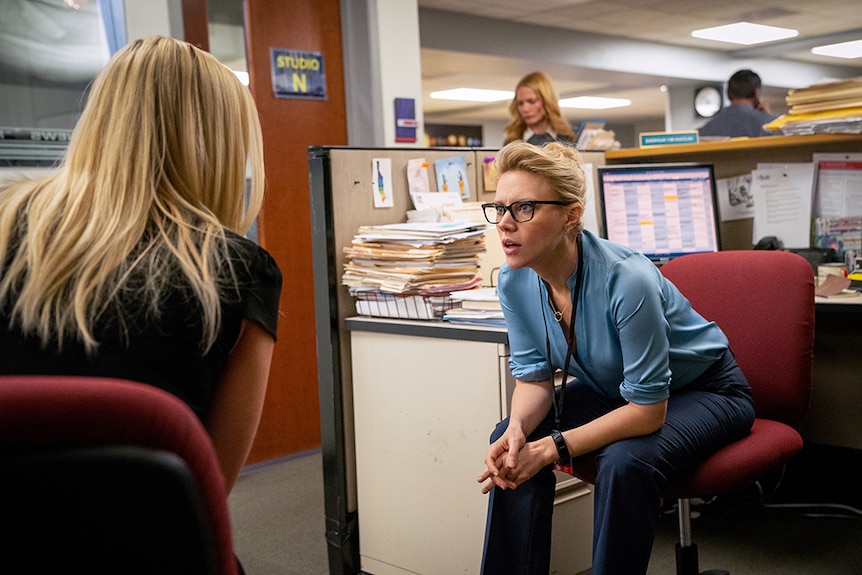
[[297, 74]]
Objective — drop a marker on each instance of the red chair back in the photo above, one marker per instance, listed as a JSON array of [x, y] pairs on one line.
[[55, 414], [764, 303]]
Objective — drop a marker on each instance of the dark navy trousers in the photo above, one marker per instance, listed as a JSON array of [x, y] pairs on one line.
[[709, 413]]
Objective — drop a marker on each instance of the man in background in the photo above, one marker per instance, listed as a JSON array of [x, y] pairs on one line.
[[746, 114]]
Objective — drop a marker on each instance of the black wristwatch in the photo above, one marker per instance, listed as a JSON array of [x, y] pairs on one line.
[[562, 448]]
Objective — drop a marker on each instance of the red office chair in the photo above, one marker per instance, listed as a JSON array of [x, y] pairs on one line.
[[108, 476], [764, 303]]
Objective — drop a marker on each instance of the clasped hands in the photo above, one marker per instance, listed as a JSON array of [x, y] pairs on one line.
[[511, 460]]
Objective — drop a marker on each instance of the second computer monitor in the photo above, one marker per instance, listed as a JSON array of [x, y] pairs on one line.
[[661, 210]]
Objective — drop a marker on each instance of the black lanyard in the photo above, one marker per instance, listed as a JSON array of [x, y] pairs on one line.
[[579, 274]]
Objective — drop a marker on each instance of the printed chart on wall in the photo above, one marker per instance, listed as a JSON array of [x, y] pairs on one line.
[[838, 204], [839, 185]]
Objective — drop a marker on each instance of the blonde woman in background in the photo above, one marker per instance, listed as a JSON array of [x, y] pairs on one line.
[[536, 116], [129, 262]]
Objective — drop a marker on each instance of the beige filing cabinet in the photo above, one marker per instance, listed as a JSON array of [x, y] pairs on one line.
[[426, 397]]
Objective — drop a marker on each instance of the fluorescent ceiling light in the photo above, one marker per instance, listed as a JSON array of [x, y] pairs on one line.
[[594, 103], [745, 33], [847, 50], [473, 95], [480, 95]]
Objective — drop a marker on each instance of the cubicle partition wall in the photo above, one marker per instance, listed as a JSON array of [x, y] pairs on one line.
[[341, 200]]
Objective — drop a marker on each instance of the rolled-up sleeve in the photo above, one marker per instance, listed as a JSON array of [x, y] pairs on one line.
[[637, 309]]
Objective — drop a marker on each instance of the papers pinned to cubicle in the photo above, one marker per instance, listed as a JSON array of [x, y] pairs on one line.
[[381, 186], [839, 185], [735, 198], [452, 176], [433, 206], [417, 176], [783, 197]]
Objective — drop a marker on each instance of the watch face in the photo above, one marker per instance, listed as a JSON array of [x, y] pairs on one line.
[[707, 101]]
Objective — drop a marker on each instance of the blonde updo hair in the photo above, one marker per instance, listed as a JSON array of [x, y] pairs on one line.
[[557, 163]]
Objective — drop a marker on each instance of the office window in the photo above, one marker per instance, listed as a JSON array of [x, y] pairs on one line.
[[50, 51], [226, 24]]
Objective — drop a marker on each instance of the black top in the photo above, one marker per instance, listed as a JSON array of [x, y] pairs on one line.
[[546, 138], [164, 351]]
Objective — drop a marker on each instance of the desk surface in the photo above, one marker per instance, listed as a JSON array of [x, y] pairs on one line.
[[469, 332], [851, 305], [428, 328]]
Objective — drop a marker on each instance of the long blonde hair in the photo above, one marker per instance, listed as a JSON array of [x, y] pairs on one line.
[[154, 173], [541, 83]]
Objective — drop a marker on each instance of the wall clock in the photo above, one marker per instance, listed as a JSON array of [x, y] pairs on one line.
[[707, 101]]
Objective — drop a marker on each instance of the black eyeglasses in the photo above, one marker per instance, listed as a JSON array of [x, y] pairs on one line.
[[522, 212]]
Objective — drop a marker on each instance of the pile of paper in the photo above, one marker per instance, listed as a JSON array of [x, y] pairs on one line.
[[828, 108], [476, 306], [413, 259]]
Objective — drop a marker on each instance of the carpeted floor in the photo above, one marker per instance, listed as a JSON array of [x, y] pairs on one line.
[[278, 518], [738, 534], [278, 521]]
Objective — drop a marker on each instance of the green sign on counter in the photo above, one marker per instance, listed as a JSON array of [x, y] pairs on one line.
[[667, 138]]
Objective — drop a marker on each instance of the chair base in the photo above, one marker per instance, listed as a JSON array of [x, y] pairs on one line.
[[686, 549], [686, 562]]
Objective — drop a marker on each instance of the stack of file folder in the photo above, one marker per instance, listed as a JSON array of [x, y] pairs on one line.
[[827, 108], [408, 270]]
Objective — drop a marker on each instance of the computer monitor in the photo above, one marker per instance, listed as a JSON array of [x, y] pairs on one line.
[[660, 210]]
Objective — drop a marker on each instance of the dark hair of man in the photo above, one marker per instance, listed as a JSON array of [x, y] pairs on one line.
[[743, 84]]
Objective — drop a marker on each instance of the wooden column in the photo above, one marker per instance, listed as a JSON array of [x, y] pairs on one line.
[[291, 418], [195, 23]]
